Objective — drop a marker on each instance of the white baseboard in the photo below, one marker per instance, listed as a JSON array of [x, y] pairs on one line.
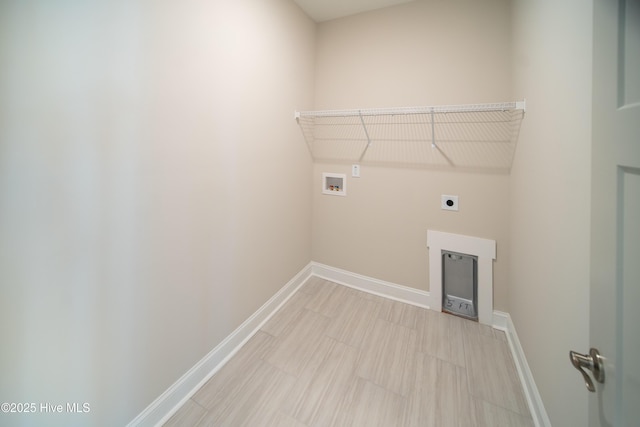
[[173, 398], [536, 406], [160, 410], [373, 286], [500, 320]]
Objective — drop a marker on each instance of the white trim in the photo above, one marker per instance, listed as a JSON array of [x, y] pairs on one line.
[[370, 285], [500, 320], [531, 393], [160, 410], [484, 249]]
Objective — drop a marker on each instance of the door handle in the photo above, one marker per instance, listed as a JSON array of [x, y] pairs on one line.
[[592, 362]]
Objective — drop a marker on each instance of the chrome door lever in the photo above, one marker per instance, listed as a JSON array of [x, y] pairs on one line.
[[592, 362]]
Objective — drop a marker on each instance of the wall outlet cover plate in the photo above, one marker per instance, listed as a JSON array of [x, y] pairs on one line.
[[449, 203]]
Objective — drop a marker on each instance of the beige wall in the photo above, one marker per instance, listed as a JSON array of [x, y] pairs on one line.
[[550, 198], [420, 53], [154, 190], [142, 147]]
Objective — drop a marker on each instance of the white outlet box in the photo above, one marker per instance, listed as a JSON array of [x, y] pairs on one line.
[[449, 203], [355, 171], [334, 184]]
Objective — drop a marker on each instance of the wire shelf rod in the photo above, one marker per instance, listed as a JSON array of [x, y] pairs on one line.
[[467, 108]]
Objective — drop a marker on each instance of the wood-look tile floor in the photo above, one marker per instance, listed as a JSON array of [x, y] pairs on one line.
[[335, 356]]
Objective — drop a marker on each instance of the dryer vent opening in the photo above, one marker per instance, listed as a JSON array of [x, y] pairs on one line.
[[460, 284]]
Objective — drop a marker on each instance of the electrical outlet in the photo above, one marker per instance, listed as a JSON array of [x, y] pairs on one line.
[[355, 171], [449, 203]]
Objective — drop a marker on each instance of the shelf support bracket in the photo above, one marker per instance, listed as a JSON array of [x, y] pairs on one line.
[[364, 126], [433, 131]]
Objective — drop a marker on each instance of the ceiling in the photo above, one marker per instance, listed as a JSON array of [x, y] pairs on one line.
[[325, 10]]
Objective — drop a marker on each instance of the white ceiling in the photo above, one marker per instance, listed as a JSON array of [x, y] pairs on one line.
[[325, 10]]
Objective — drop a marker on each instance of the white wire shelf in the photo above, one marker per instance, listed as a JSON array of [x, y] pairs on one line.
[[473, 136]]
